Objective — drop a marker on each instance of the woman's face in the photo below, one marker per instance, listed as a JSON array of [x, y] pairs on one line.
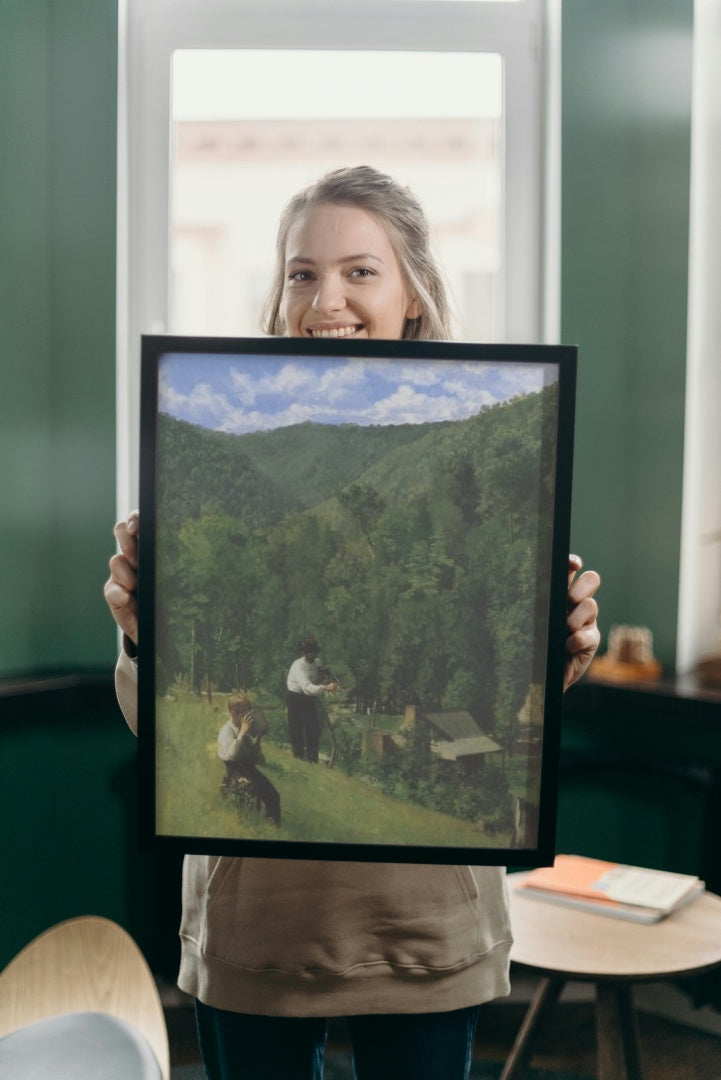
[[342, 277]]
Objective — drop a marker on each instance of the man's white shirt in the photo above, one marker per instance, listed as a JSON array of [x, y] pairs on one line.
[[304, 677]]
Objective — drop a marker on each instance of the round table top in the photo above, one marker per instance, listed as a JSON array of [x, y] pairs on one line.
[[559, 940]]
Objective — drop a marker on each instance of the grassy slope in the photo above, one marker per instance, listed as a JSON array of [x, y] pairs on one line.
[[318, 804]]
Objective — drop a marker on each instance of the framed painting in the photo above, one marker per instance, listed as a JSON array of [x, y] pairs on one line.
[[352, 597]]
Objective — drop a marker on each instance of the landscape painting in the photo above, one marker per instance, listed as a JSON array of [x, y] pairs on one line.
[[352, 597]]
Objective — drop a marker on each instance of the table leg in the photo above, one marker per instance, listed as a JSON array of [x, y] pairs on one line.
[[617, 1033], [545, 997]]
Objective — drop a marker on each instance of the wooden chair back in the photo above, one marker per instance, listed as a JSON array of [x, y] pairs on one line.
[[86, 964]]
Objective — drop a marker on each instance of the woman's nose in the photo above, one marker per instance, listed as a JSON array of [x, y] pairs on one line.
[[329, 296]]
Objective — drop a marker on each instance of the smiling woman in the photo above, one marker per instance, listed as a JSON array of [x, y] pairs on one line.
[[353, 259], [331, 292]]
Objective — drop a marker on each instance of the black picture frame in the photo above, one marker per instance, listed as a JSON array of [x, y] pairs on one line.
[[406, 502]]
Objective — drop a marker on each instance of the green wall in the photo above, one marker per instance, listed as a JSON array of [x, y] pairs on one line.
[[625, 200], [69, 806], [58, 73], [67, 761]]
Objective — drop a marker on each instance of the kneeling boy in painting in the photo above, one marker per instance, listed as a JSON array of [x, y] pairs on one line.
[[239, 747]]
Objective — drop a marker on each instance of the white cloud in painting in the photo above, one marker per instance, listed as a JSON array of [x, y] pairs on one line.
[[201, 403], [240, 394]]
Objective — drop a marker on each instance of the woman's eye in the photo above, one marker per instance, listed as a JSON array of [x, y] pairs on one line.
[[362, 272], [300, 276]]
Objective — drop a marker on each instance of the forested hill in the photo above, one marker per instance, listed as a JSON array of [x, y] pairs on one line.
[[266, 475], [489, 459], [201, 469], [310, 462]]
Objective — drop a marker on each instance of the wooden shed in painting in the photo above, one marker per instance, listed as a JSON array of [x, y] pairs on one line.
[[458, 736]]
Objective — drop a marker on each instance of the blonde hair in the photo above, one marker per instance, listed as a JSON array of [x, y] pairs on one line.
[[403, 217]]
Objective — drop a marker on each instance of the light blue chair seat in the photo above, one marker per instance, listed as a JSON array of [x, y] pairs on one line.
[[78, 1046]]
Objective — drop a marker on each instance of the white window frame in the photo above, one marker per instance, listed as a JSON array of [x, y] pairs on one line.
[[699, 596], [526, 34]]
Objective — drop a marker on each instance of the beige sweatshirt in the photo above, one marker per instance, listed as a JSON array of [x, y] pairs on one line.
[[284, 937]]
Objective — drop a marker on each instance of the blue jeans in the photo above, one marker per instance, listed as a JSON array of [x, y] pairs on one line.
[[416, 1046]]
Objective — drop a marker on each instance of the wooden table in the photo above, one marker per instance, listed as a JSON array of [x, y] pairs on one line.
[[562, 944]]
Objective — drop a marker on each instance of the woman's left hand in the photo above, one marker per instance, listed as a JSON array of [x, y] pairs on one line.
[[583, 635]]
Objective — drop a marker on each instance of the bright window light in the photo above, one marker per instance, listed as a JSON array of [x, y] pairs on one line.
[[238, 156]]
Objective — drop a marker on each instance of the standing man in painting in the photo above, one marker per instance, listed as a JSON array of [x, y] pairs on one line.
[[304, 684]]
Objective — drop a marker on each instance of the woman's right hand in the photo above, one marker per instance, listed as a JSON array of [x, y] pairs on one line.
[[121, 587]]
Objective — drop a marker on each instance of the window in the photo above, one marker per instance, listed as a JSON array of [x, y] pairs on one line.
[[235, 161], [227, 107]]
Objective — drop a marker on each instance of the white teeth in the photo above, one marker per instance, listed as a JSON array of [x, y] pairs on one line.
[[335, 332]]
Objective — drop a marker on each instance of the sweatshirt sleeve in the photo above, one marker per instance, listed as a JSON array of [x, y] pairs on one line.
[[126, 689]]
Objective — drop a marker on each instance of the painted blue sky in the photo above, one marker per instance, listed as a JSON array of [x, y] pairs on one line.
[[240, 394]]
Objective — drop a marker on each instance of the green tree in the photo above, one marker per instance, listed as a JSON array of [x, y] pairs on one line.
[[217, 567]]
